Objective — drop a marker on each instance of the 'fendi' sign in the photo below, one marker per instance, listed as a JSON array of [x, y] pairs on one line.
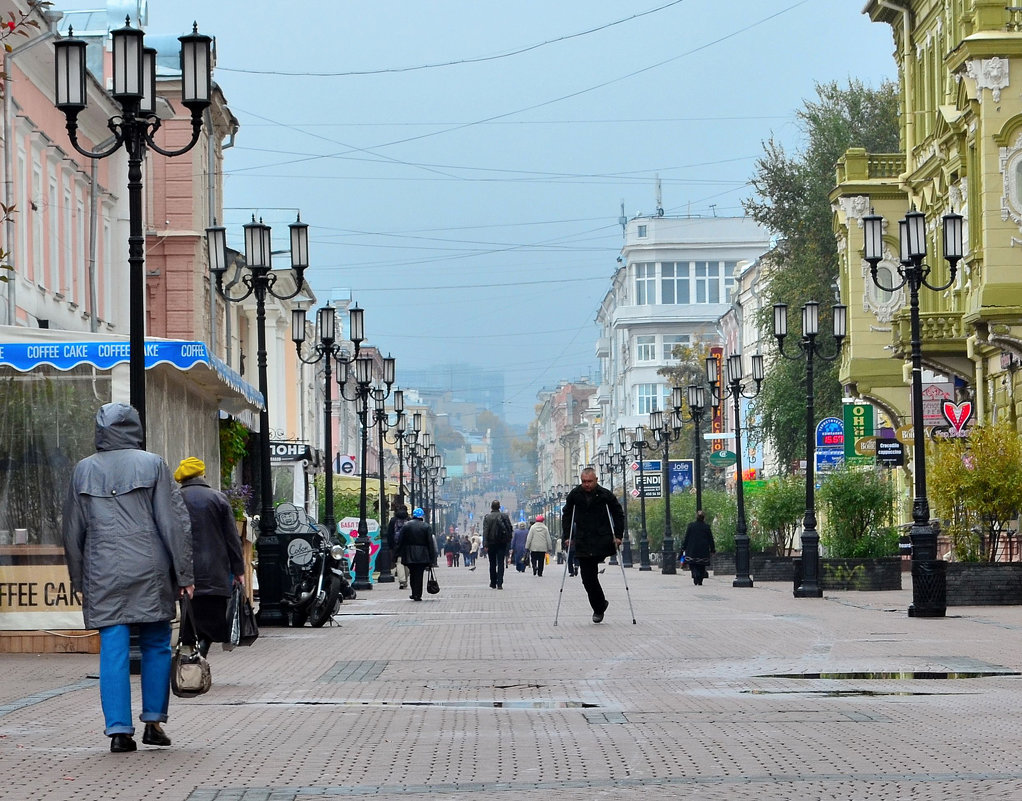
[[282, 451]]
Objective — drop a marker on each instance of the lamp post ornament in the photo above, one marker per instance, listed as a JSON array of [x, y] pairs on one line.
[[733, 388], [809, 349], [134, 89], [929, 591]]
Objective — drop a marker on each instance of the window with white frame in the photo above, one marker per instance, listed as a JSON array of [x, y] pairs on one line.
[[729, 279], [648, 397], [81, 290], [674, 282], [53, 226], [707, 279], [645, 348], [67, 284], [673, 340], [642, 231], [36, 206], [645, 284]]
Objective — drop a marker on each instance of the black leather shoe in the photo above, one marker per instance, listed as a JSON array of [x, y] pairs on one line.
[[122, 743], [154, 736], [598, 616]]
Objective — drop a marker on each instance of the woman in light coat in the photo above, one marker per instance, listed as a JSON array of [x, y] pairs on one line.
[[538, 544], [128, 544]]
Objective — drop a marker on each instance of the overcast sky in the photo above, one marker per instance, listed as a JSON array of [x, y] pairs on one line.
[[461, 163]]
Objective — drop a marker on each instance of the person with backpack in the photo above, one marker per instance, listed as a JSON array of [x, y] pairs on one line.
[[497, 533], [397, 522]]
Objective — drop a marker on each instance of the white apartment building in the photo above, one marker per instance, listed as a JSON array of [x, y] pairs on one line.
[[673, 284]]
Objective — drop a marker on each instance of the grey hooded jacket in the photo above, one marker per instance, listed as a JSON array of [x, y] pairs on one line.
[[127, 535]]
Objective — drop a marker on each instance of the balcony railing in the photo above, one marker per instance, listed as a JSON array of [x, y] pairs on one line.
[[886, 165], [939, 331]]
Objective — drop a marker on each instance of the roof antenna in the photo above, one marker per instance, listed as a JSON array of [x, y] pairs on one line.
[[622, 220], [713, 207], [659, 199]]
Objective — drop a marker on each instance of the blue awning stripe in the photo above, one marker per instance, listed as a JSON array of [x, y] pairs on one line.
[[26, 356]]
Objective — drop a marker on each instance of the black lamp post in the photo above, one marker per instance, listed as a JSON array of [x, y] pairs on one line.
[[929, 591], [639, 446], [328, 350], [666, 428], [363, 391], [400, 428], [134, 89], [809, 349], [260, 281], [733, 389], [618, 458], [384, 559], [696, 396], [412, 440], [603, 462]]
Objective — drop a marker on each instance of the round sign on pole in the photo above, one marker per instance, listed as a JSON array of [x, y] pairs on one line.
[[867, 446]]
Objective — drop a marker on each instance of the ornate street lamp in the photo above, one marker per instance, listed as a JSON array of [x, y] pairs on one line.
[[809, 349], [328, 350], [929, 590], [134, 89], [384, 560], [363, 391], [666, 428], [734, 389], [696, 396], [619, 459], [260, 281], [604, 463], [638, 445]]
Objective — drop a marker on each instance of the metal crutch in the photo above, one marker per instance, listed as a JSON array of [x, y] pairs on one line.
[[567, 560], [623, 574]]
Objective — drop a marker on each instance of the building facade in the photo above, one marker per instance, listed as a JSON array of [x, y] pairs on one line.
[[960, 66], [675, 280]]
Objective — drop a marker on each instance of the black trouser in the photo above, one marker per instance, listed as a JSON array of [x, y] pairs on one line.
[[538, 560], [498, 556], [588, 567], [699, 571], [415, 579]]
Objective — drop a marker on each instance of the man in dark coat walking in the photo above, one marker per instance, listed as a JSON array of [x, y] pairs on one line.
[[698, 546], [598, 521], [417, 550], [497, 533], [216, 551]]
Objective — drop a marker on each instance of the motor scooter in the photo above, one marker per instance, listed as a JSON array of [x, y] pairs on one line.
[[318, 584]]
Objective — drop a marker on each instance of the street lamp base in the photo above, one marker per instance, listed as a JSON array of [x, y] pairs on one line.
[[361, 584], [387, 579], [744, 581], [806, 591]]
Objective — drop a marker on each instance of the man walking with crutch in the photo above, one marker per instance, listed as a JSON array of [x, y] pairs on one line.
[[598, 520]]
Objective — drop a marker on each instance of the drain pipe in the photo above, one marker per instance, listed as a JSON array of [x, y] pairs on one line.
[[211, 203], [51, 18], [906, 55], [93, 233]]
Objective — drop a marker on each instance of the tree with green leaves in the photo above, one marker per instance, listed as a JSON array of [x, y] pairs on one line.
[[792, 199]]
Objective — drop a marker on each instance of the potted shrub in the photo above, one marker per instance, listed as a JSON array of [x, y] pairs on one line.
[[858, 534]]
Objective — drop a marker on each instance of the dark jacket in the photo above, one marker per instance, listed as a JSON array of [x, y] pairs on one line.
[[126, 530], [698, 542], [592, 513], [216, 546], [394, 528], [492, 527], [417, 546]]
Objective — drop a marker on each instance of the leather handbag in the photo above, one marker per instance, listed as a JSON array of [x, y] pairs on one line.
[[189, 671], [432, 585]]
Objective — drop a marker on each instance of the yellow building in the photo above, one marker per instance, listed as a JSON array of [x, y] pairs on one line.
[[960, 75]]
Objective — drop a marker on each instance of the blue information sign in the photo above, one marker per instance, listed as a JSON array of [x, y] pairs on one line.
[[830, 433], [681, 474]]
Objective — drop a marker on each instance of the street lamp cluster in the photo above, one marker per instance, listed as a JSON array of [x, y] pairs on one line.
[[929, 591]]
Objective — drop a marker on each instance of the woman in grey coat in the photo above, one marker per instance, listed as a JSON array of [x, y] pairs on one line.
[[129, 552]]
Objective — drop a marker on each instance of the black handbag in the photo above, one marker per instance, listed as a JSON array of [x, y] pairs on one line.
[[432, 585], [189, 671], [249, 628]]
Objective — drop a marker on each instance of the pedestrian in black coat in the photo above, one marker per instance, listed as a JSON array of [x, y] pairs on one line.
[[598, 525], [417, 550], [216, 552], [698, 546]]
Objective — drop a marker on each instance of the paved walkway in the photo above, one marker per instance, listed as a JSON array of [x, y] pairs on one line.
[[476, 694]]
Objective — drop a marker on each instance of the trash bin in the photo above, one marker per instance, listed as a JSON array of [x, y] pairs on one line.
[[929, 588]]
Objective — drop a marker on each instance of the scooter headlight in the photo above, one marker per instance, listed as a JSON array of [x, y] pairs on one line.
[[336, 552]]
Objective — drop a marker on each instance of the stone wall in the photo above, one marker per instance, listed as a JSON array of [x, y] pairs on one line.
[[984, 583]]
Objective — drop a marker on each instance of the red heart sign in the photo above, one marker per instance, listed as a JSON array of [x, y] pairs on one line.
[[957, 414]]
